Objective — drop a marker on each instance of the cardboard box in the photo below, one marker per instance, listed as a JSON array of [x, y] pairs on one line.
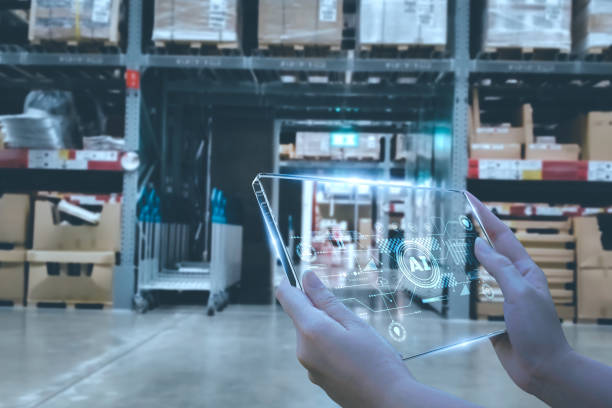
[[12, 275], [545, 151], [521, 133], [594, 295], [73, 20], [287, 151], [312, 145], [403, 23], [593, 132], [591, 25], [368, 147], [102, 237], [590, 252], [300, 22], [196, 20], [14, 216], [495, 151], [70, 276], [527, 24]]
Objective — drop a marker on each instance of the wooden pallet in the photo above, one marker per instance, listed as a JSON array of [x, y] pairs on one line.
[[11, 302], [526, 53], [402, 50], [601, 321], [197, 47], [598, 53], [69, 304], [90, 46], [539, 227], [298, 50], [312, 157], [495, 311]]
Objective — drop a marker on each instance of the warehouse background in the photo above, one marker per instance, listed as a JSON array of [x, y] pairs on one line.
[[131, 131]]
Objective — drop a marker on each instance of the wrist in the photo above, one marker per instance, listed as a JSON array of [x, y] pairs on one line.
[[547, 378], [399, 391]]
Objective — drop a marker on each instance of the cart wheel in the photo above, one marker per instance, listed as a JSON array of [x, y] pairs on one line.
[[210, 311], [141, 304], [152, 299]]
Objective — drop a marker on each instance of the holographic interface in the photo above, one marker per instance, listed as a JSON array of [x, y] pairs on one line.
[[400, 257]]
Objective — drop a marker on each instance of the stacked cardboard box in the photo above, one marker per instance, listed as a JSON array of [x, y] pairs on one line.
[[499, 141], [592, 25], [74, 20], [527, 24], [14, 216], [593, 131], [318, 145], [300, 22], [72, 263], [594, 261], [196, 21], [399, 22], [551, 150]]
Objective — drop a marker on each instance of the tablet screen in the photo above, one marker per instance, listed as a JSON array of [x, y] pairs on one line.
[[400, 257]]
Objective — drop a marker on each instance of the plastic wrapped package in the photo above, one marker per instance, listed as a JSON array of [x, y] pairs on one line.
[[405, 22], [300, 22], [592, 26], [74, 20], [196, 20], [49, 121], [528, 24]]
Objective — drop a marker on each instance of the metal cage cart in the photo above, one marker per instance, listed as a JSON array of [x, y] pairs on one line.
[[163, 249]]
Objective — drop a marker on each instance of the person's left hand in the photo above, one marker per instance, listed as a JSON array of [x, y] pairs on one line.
[[342, 353]]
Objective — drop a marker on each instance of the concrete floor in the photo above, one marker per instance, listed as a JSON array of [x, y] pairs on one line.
[[244, 356]]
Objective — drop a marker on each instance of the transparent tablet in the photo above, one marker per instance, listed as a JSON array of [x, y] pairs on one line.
[[400, 257]]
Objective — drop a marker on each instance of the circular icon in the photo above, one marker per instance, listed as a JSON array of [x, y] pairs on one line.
[[379, 228], [130, 161], [306, 252], [418, 265], [397, 332], [486, 291], [466, 223]]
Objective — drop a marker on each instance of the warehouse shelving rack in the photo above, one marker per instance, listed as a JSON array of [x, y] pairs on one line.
[[261, 70]]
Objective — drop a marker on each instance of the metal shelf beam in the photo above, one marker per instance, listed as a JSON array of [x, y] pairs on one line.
[[541, 67], [62, 59]]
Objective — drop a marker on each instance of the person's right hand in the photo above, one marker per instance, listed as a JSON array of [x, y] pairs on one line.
[[534, 345]]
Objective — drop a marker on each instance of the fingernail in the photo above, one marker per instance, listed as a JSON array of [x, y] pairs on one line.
[[311, 280], [482, 244]]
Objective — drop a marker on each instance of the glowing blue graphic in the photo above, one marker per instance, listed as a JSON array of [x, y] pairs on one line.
[[418, 264], [397, 332], [344, 139]]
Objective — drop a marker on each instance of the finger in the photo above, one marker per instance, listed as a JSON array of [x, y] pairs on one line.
[[501, 268], [324, 300], [503, 239], [295, 303]]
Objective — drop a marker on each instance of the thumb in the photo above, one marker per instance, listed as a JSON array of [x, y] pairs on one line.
[[501, 268], [324, 300]]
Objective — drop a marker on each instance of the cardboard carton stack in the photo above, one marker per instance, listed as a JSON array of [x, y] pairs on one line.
[[367, 148], [300, 22], [398, 22], [593, 131], [592, 25], [337, 146], [193, 21], [547, 148], [500, 141], [74, 20], [594, 261], [72, 263], [14, 216], [527, 24], [315, 145]]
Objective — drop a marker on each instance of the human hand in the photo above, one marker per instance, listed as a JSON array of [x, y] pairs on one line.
[[347, 358], [342, 353], [534, 345]]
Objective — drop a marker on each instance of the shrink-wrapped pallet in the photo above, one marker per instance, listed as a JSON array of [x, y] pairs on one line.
[[196, 21], [527, 24], [300, 22], [592, 25], [401, 22], [74, 20]]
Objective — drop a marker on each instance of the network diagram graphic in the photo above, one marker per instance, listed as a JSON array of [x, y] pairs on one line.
[[414, 272]]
